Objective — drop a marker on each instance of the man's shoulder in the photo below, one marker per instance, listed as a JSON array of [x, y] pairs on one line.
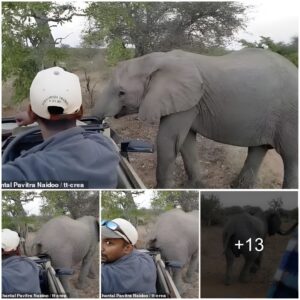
[[141, 257], [18, 261]]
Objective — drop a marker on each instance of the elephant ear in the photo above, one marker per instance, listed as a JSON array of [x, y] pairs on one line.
[[174, 85]]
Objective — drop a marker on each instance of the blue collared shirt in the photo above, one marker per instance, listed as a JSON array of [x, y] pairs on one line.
[[20, 275], [134, 273]]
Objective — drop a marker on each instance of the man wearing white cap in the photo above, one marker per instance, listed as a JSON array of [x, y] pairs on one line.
[[20, 275], [68, 153], [124, 270]]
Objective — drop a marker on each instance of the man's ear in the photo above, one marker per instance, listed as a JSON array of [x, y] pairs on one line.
[[128, 249], [31, 114]]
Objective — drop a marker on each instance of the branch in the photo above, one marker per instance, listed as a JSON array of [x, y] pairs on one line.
[[57, 19], [62, 38]]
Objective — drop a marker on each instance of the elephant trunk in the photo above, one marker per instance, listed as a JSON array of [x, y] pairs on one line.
[[288, 231]]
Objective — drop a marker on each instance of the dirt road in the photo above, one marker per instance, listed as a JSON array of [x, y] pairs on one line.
[[213, 267]]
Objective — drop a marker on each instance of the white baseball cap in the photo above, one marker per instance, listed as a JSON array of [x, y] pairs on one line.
[[10, 240], [55, 87], [130, 233]]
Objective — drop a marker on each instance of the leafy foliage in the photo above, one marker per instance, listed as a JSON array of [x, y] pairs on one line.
[[116, 51], [12, 202], [14, 215], [74, 203], [166, 200], [289, 50], [211, 210], [119, 205], [162, 26], [27, 41]]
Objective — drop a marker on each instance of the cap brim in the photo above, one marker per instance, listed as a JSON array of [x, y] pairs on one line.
[[107, 233]]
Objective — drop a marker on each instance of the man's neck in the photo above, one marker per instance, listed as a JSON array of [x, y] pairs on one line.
[[46, 133]]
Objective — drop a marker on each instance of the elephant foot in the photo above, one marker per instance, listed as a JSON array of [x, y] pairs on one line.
[[245, 181], [72, 294], [188, 279], [80, 285], [194, 184], [166, 185]]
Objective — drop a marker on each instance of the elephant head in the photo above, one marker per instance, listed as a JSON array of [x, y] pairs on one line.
[[274, 224], [153, 85]]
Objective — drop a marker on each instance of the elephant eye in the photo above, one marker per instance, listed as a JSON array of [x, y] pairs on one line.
[[121, 93]]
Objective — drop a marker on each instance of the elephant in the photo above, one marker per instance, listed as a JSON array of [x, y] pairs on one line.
[[176, 235], [69, 242], [242, 227], [247, 98]]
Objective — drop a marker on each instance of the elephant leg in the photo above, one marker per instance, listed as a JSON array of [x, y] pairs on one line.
[[65, 281], [256, 265], [172, 133], [92, 272], [85, 268], [193, 265], [290, 180], [190, 159], [247, 176], [177, 278], [229, 266], [286, 144], [245, 273]]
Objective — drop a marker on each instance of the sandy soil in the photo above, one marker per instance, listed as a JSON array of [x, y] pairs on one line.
[[213, 267], [219, 163]]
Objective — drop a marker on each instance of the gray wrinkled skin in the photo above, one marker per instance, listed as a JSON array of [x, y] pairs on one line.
[[176, 234], [69, 242], [246, 98]]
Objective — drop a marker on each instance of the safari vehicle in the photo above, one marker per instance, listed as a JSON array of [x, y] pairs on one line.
[[17, 139], [49, 281]]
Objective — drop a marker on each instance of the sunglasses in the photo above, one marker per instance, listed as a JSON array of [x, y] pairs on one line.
[[115, 227]]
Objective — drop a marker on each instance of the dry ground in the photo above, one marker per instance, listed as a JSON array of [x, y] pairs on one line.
[[213, 267]]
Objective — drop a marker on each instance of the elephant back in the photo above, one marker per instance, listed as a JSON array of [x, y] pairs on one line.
[[66, 240], [176, 234]]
